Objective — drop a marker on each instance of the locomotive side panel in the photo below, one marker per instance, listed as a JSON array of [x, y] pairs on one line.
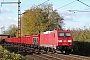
[[48, 40]]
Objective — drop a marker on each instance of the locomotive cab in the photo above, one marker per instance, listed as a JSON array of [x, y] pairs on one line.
[[65, 41]]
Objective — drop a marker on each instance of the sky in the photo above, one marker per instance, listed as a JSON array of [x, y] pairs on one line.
[[75, 19]]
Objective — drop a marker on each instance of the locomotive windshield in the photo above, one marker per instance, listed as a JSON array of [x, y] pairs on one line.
[[60, 34], [64, 34], [67, 34]]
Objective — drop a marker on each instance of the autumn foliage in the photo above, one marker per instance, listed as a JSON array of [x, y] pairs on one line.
[[38, 19]]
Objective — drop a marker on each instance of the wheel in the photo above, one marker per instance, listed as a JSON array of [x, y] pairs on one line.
[[53, 50], [46, 49], [67, 52], [62, 51]]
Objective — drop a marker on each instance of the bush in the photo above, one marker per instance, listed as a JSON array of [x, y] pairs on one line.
[[81, 48], [6, 55]]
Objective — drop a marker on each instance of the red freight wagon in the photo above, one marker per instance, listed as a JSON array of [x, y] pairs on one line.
[[32, 41], [15, 40], [26, 40], [36, 39], [57, 39], [8, 40], [12, 40]]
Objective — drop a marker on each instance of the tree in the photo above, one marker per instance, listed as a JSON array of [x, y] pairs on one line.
[[82, 35], [39, 19], [56, 20], [12, 30]]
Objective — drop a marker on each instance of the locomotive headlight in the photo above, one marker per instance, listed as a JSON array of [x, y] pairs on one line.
[[69, 40], [59, 40]]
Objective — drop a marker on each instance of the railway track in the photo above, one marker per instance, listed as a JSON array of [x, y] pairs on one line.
[[50, 56], [42, 57], [79, 57], [56, 56], [70, 57]]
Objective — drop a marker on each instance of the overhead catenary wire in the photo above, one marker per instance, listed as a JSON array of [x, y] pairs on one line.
[[42, 3], [83, 3], [73, 2], [74, 10], [77, 10], [80, 10], [87, 9], [67, 4]]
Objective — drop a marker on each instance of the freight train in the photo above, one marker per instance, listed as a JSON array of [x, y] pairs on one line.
[[56, 40]]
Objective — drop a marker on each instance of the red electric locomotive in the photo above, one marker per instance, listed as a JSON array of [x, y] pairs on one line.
[[57, 40]]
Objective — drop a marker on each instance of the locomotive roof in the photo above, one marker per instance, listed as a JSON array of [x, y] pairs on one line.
[[48, 32]]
